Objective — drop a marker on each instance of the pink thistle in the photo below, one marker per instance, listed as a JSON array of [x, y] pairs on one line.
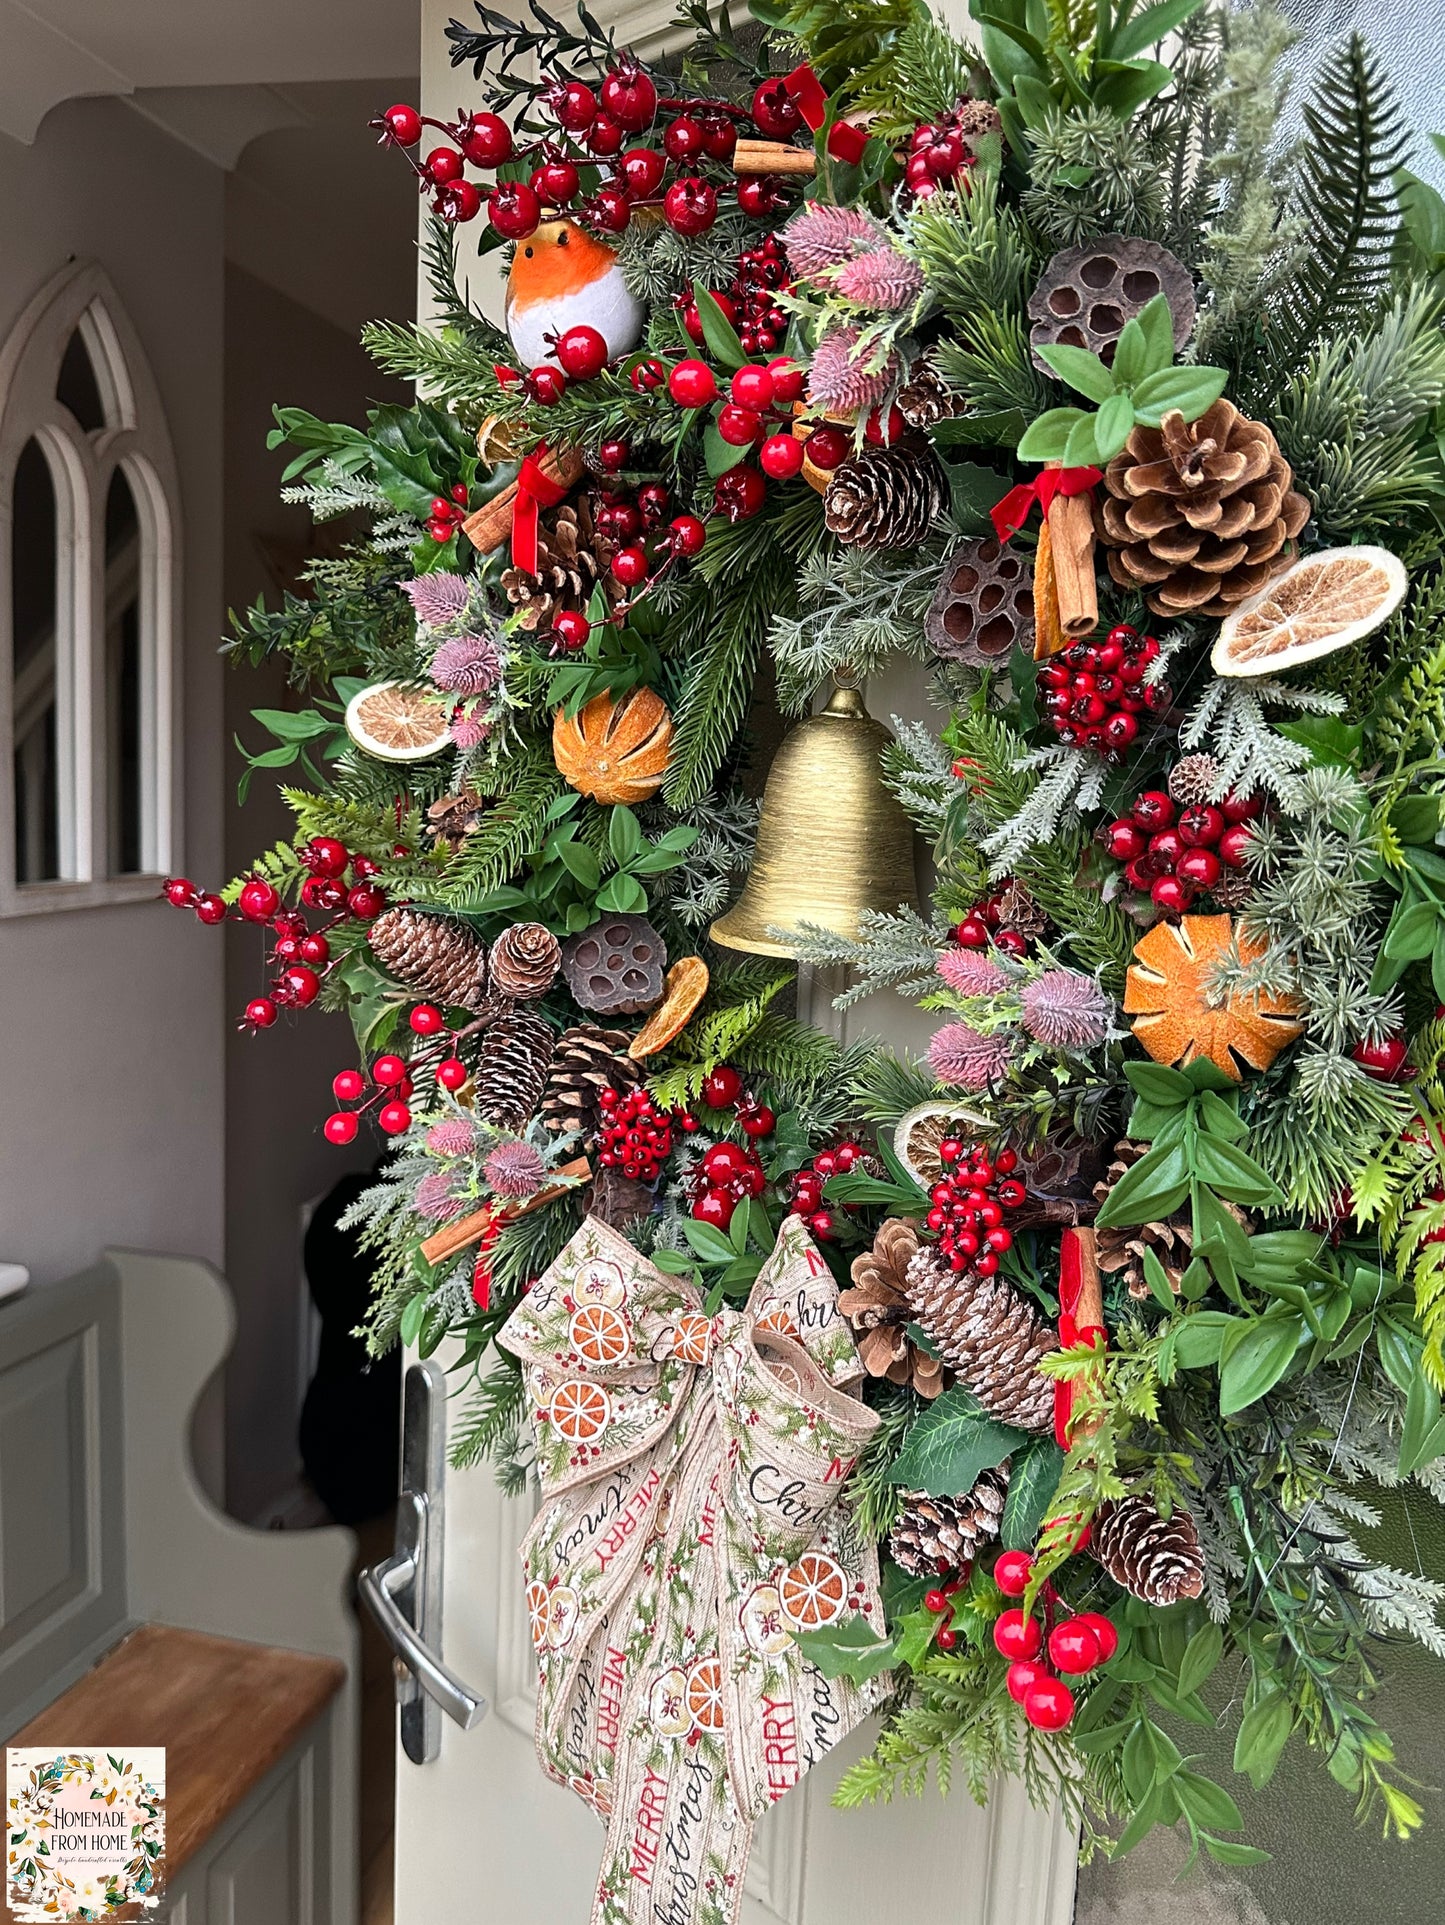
[[882, 279], [469, 731], [515, 1170], [822, 237], [837, 381], [436, 1197], [453, 1136], [438, 599], [971, 973], [1066, 1010], [468, 666], [960, 1054]]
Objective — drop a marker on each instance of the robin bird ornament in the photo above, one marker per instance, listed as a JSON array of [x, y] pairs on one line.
[[562, 277]]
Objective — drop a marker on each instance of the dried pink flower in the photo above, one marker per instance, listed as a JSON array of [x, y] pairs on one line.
[[470, 665], [453, 1136], [469, 731], [439, 598], [1066, 1010], [836, 380], [882, 279], [515, 1170], [962, 1055], [821, 237], [971, 973], [436, 1196]]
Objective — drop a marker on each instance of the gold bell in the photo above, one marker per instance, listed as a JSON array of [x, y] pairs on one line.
[[832, 838]]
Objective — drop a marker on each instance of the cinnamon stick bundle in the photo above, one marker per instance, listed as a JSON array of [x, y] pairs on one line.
[[451, 1237], [491, 525], [1071, 537], [773, 157]]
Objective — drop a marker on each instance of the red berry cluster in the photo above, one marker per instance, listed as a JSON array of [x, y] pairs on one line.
[[1173, 854], [393, 1085], [940, 1602], [807, 1186], [984, 924], [726, 1174], [448, 513], [762, 275], [636, 1136], [968, 1205], [1094, 693], [937, 154], [302, 953], [1077, 1644]]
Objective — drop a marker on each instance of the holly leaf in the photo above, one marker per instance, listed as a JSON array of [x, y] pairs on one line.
[[849, 1649], [1033, 1478], [950, 1443]]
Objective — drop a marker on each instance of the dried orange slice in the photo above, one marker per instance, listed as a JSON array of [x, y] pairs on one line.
[[692, 1338], [599, 1334], [705, 1694], [917, 1135], [579, 1411], [615, 751], [813, 1591], [398, 724], [1167, 991], [684, 988], [1320, 603]]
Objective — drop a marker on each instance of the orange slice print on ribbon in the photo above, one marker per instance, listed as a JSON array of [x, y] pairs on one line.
[[539, 1609], [779, 1319], [599, 1334], [813, 1591], [580, 1411], [692, 1338], [705, 1694], [763, 1625]]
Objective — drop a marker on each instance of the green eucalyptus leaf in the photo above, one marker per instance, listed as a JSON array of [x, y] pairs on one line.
[[1189, 389], [1254, 1357], [624, 835], [1084, 372]]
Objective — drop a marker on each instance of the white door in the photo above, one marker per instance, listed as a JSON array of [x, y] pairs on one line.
[[482, 1835]]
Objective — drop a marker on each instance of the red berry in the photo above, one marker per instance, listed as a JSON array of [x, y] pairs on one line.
[[759, 1122], [312, 949], [1242, 808], [715, 1207], [556, 183], [388, 1071], [1170, 894], [1384, 1061], [365, 901], [1125, 841], [653, 502], [323, 892], [1074, 1647], [629, 566], [1011, 942], [1104, 1632], [613, 456], [443, 164], [1153, 810], [936, 1602], [822, 1225], [630, 98], [605, 136], [1049, 1704], [1012, 1572], [738, 426], [258, 900], [688, 535], [487, 140], [690, 206], [971, 933], [761, 194], [452, 1073], [210, 909], [723, 1161], [947, 1638], [882, 430], [325, 856], [640, 172], [261, 1012], [721, 1087], [776, 114], [609, 209], [1120, 729], [789, 380], [545, 385], [514, 209], [582, 352], [340, 1128], [180, 892], [402, 124], [1023, 1675], [1234, 843], [781, 457], [739, 493], [348, 1086], [1201, 828], [298, 985], [393, 1118], [684, 139], [692, 384], [575, 106], [827, 447], [571, 627], [1017, 1636], [719, 137], [427, 1020], [752, 387], [1199, 867]]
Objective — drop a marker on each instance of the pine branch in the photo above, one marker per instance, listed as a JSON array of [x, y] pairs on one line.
[[488, 1423], [506, 835]]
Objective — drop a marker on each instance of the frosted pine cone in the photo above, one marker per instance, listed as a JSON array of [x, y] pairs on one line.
[[935, 1535], [878, 1310], [512, 1069], [990, 1335], [885, 497], [1154, 1558], [435, 955], [1194, 779], [524, 961]]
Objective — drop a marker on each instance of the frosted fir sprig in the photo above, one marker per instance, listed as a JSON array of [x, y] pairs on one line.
[[892, 950], [1229, 720], [1074, 783]]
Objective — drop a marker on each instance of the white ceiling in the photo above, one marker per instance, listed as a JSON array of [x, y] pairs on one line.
[[51, 50]]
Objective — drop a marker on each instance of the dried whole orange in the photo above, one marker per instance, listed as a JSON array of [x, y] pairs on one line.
[[1319, 604], [615, 751], [685, 987], [1167, 993]]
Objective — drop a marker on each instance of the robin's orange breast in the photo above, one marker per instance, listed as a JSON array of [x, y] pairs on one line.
[[559, 259]]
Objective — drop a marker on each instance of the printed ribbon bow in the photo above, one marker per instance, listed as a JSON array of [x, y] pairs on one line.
[[691, 1468], [536, 490], [1010, 514]]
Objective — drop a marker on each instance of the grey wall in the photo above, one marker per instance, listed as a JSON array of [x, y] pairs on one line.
[[110, 1019]]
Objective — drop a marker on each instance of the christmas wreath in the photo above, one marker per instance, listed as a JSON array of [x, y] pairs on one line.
[[1047, 364]]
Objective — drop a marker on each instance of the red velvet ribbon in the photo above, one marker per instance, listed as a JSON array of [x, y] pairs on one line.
[[482, 1268], [1010, 514], [845, 143], [536, 490], [1072, 1336]]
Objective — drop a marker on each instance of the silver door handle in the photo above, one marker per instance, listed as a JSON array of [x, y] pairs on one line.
[[404, 1591]]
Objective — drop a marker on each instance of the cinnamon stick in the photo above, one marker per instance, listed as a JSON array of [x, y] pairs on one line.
[[1071, 534], [491, 525], [1049, 637], [773, 157], [452, 1237]]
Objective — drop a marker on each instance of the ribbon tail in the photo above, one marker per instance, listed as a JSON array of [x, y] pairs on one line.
[[1010, 514]]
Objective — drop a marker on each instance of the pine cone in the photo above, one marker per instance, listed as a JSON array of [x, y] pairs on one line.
[[926, 397], [1194, 779], [1122, 1248], [1018, 910], [1233, 890], [1154, 1558], [512, 1068], [990, 1335], [435, 955], [588, 1060], [934, 1535], [452, 818], [884, 497], [1199, 514], [524, 961], [571, 560], [878, 1309]]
